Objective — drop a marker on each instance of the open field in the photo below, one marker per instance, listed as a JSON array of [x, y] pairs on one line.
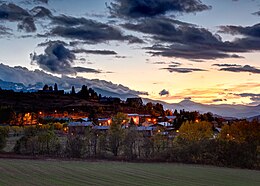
[[55, 172]]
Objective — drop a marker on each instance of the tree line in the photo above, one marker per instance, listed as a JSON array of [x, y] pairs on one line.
[[237, 145]]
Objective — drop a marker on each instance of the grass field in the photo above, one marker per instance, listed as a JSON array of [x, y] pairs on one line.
[[55, 172]]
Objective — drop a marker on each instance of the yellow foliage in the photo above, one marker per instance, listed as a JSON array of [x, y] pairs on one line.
[[196, 131], [241, 131]]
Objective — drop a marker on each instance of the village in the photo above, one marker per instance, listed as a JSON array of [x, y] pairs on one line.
[[83, 124]]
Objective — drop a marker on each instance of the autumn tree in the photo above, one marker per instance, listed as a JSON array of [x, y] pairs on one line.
[[192, 131], [241, 131], [130, 142], [115, 133]]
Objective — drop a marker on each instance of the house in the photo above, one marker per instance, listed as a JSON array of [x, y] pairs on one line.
[[79, 127], [146, 131], [147, 124], [101, 129], [145, 117], [165, 124], [134, 117], [104, 121], [110, 100], [170, 118], [216, 131]]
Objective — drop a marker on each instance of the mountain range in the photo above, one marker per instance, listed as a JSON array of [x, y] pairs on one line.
[[21, 79], [224, 110]]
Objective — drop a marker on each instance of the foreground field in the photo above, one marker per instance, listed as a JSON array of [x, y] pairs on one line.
[[54, 172]]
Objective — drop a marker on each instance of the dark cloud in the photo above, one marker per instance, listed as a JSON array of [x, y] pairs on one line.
[[15, 13], [4, 30], [50, 42], [253, 97], [164, 93], [182, 70], [246, 68], [160, 63], [248, 95], [41, 12], [226, 65], [191, 42], [42, 1], [121, 57], [59, 59], [56, 59], [99, 52], [88, 30], [27, 25], [151, 8], [161, 28], [193, 51], [86, 70], [257, 13], [219, 100], [173, 64], [12, 12], [252, 31]]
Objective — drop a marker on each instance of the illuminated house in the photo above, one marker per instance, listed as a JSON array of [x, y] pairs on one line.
[[79, 127], [104, 121], [134, 117]]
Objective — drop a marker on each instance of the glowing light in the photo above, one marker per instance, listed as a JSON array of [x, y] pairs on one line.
[[177, 131]]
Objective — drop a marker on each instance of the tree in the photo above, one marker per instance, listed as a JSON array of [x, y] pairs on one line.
[[45, 87], [38, 140], [3, 135], [55, 87], [50, 88], [168, 112], [115, 133], [242, 131], [73, 90], [130, 140], [191, 131]]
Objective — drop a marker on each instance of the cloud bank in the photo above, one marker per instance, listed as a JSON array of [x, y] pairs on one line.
[[151, 8], [23, 75]]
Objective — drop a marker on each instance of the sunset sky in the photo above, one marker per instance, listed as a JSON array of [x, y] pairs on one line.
[[207, 51]]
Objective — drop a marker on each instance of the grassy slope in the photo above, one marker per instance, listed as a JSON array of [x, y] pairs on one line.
[[54, 172]]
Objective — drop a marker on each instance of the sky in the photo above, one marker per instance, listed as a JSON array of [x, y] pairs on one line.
[[206, 51]]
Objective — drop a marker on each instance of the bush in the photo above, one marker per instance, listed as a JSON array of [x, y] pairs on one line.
[[3, 135]]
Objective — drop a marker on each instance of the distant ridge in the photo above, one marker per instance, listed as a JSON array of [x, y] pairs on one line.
[[22, 79], [224, 110]]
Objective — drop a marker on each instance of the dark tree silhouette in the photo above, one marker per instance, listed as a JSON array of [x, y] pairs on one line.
[[73, 90], [55, 87], [45, 87]]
